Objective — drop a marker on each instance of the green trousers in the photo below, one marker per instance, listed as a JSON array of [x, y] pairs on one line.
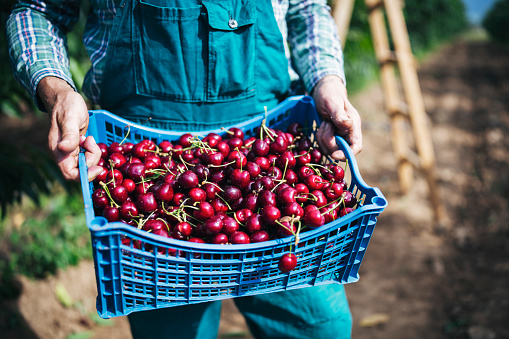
[[313, 312]]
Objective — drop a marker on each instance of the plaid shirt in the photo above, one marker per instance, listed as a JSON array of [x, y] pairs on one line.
[[37, 41]]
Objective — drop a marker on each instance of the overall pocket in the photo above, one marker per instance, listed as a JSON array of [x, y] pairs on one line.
[[169, 51], [231, 49]]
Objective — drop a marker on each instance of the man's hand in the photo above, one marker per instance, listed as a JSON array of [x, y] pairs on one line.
[[339, 117], [69, 123]]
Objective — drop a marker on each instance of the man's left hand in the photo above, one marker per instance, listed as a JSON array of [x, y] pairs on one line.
[[339, 117]]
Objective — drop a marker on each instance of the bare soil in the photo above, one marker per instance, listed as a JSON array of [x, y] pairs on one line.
[[417, 281]]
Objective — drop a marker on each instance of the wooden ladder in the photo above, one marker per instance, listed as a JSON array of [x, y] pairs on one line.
[[400, 112]]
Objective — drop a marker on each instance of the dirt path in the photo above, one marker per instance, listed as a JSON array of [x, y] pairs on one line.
[[452, 284]]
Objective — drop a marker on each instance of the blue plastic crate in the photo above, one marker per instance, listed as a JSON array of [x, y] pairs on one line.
[[168, 272]]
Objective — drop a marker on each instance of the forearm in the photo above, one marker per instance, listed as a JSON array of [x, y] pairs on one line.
[[36, 39], [314, 43]]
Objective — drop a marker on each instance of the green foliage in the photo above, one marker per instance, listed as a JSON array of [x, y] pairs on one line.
[[26, 171], [54, 238], [496, 21], [429, 23]]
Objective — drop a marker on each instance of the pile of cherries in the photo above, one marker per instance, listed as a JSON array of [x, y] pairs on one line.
[[222, 190]]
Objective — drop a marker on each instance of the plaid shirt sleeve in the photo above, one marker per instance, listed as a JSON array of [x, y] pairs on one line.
[[37, 43], [314, 42]]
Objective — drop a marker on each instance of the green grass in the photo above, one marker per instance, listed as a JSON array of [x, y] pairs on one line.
[[37, 241]]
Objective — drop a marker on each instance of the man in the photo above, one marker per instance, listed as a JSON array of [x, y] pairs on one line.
[[192, 65]]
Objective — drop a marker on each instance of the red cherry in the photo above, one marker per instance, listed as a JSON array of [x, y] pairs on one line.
[[320, 199], [302, 193], [129, 185], [270, 214], [287, 195], [219, 205], [100, 198], [164, 192], [316, 156], [136, 171], [286, 229], [230, 225], [197, 194], [251, 201], [240, 178], [312, 217], [104, 150], [345, 211], [212, 225], [185, 140], [254, 169], [204, 211], [127, 146], [146, 202], [219, 239], [286, 159], [334, 191], [239, 237], [188, 179], [279, 145], [293, 209], [116, 160], [287, 263], [128, 210], [254, 223], [259, 236], [314, 182], [235, 132], [260, 148], [114, 174], [263, 163], [119, 194], [111, 213], [243, 214]]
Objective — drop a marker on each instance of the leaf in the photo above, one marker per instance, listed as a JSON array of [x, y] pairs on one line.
[[63, 296], [81, 335], [375, 319], [100, 321], [9, 109]]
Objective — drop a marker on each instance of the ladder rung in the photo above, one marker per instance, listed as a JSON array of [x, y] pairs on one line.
[[402, 110], [413, 159], [374, 5], [388, 56]]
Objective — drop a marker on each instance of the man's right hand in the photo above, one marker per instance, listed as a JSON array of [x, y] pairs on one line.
[[69, 123]]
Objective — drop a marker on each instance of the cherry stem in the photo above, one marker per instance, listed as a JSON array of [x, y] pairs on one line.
[[222, 165], [235, 217], [212, 183], [220, 197], [300, 155], [106, 189], [185, 163], [128, 131], [227, 131], [240, 157]]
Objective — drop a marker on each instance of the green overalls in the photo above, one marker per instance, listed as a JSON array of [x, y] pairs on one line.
[[194, 65]]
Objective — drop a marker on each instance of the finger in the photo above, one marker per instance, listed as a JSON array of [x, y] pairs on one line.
[[92, 151], [319, 136], [355, 134], [93, 172], [340, 117], [68, 165], [326, 138], [69, 128]]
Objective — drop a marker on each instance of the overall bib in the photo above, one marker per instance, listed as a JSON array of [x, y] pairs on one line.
[[193, 65]]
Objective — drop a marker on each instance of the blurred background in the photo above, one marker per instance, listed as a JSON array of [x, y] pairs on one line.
[[417, 280]]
